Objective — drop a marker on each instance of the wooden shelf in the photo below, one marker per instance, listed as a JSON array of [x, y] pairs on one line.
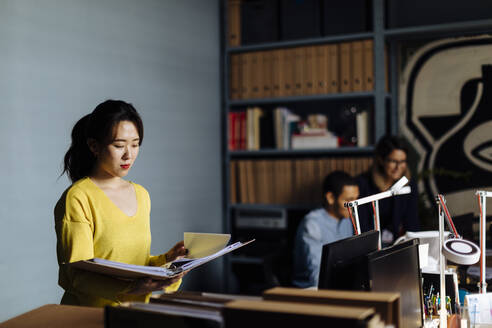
[[301, 152], [301, 42], [439, 30], [294, 99]]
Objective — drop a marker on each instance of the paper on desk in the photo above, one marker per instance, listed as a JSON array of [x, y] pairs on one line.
[[200, 244], [478, 309]]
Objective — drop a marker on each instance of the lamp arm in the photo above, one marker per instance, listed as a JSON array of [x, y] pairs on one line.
[[449, 220]]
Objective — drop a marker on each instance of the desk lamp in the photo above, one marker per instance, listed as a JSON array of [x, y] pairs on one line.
[[482, 195], [397, 189], [455, 249]]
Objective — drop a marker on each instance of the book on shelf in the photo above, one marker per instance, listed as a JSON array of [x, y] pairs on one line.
[[336, 14], [345, 67], [233, 182], [255, 71], [300, 19], [314, 140], [230, 131], [253, 117], [309, 70], [276, 73], [287, 66], [299, 71], [357, 65], [363, 129], [259, 21], [235, 77], [284, 121], [267, 73], [236, 130], [368, 57], [333, 69], [242, 130], [246, 75], [234, 22], [320, 59], [132, 271]]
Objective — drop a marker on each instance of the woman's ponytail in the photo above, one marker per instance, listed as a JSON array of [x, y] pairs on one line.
[[79, 160]]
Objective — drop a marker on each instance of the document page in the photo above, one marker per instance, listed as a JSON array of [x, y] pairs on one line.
[[201, 244]]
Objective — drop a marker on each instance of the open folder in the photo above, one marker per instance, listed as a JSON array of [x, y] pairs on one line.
[[131, 271]]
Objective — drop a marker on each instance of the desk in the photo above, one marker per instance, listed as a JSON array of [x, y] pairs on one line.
[[58, 316]]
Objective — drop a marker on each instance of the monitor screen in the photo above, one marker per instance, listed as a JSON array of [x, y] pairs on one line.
[[397, 270], [335, 273]]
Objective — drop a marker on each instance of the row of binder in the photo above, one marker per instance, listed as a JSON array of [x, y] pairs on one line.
[[308, 70], [284, 181], [260, 21], [289, 307]]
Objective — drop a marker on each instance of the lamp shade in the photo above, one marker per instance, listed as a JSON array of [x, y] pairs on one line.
[[461, 251]]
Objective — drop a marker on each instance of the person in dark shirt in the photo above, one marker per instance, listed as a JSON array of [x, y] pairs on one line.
[[397, 214]]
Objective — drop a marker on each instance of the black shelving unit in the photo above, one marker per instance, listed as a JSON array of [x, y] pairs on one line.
[[378, 97], [384, 102]]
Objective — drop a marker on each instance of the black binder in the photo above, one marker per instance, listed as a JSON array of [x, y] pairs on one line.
[[347, 16], [300, 19], [259, 21]]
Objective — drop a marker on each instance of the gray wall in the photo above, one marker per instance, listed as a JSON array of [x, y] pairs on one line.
[[58, 60]]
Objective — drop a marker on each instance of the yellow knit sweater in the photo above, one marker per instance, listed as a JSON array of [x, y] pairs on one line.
[[88, 224]]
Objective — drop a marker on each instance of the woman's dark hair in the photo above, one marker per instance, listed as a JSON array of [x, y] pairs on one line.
[[385, 146], [79, 161]]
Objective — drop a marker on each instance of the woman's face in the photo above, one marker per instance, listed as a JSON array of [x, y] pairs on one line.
[[395, 164], [116, 158]]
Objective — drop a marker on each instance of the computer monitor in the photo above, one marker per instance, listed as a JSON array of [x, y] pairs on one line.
[[338, 257], [397, 270]]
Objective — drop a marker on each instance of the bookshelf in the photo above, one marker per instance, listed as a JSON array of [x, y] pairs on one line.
[[309, 165], [381, 99]]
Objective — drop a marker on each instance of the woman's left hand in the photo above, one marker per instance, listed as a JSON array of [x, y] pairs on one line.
[[176, 252]]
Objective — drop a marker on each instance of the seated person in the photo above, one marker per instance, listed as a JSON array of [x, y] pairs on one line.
[[396, 214], [322, 226]]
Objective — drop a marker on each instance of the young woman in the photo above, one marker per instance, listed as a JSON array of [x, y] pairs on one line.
[[397, 214], [102, 215]]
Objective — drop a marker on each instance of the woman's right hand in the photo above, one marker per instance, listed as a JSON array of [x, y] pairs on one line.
[[148, 285]]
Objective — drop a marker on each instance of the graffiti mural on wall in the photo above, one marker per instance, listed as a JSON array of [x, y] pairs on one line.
[[445, 111]]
